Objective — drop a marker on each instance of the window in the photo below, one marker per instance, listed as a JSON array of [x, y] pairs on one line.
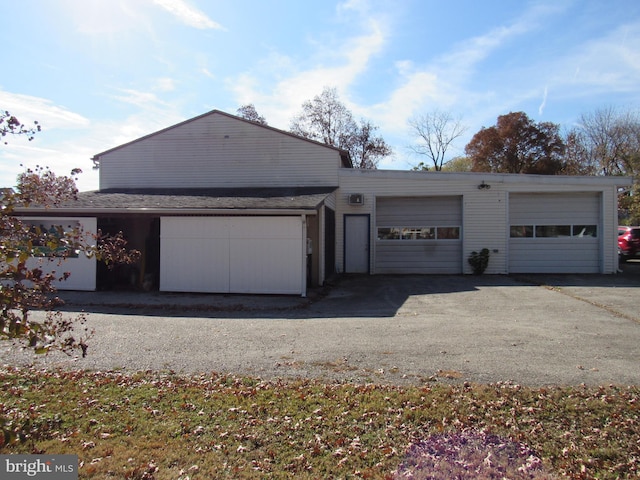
[[585, 230], [385, 233], [411, 233], [48, 238], [553, 231], [521, 231], [418, 233], [448, 233]]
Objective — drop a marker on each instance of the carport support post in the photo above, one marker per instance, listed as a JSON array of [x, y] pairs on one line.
[[303, 276]]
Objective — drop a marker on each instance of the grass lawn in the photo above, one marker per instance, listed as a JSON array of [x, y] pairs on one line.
[[168, 426]]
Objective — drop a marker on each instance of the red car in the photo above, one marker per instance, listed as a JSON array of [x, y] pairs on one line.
[[628, 242]]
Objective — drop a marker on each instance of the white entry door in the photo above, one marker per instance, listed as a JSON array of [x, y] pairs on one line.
[[356, 241]]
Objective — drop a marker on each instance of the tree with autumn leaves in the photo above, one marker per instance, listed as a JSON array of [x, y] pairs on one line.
[[516, 144], [32, 259], [605, 142]]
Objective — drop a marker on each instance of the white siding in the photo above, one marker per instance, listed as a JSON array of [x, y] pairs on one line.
[[232, 254], [82, 269], [216, 150], [485, 211], [484, 215], [485, 225]]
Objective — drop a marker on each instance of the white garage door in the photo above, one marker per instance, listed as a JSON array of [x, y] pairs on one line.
[[232, 254], [419, 235], [554, 233]]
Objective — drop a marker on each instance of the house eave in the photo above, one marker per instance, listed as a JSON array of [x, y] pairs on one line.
[[105, 212], [505, 178]]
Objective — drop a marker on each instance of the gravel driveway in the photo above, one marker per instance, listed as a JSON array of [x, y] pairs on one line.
[[534, 330]]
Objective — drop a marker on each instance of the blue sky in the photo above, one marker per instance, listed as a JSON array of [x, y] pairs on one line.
[[99, 73]]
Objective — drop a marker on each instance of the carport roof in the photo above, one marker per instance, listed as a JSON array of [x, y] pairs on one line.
[[214, 200]]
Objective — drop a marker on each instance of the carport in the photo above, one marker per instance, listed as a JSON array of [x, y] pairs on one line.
[[257, 241]]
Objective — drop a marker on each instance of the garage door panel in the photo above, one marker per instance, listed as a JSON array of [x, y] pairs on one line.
[[262, 266], [562, 254], [416, 255], [194, 265], [419, 211], [554, 208], [437, 258], [231, 254]]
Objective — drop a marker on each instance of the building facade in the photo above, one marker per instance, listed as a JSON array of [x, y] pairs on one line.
[[223, 205]]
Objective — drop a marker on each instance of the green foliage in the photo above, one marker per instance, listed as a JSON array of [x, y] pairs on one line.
[[629, 205], [168, 426], [479, 261], [458, 164]]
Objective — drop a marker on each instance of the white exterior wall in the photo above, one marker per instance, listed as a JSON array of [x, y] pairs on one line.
[[216, 150], [485, 211], [82, 269]]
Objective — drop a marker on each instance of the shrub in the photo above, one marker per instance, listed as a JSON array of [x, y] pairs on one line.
[[479, 261]]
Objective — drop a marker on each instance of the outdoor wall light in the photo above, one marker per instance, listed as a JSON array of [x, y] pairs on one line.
[[484, 186]]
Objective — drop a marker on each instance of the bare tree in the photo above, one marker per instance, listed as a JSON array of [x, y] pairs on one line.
[[577, 157], [367, 149], [609, 140], [326, 119], [249, 112], [436, 131]]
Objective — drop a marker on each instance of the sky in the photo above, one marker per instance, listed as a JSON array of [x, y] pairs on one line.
[[99, 73]]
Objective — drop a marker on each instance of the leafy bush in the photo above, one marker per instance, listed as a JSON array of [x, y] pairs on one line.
[[479, 261]]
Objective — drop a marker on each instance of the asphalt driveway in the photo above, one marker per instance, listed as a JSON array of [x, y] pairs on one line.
[[531, 330]]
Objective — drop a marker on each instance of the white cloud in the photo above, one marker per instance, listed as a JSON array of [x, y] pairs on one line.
[[138, 98], [62, 150], [100, 17], [346, 63], [544, 101], [610, 63], [207, 73], [29, 109], [444, 82], [164, 85], [188, 14]]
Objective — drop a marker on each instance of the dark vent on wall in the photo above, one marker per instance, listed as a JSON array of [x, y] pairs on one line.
[[356, 199]]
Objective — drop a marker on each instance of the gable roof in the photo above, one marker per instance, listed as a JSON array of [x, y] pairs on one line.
[[344, 155]]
